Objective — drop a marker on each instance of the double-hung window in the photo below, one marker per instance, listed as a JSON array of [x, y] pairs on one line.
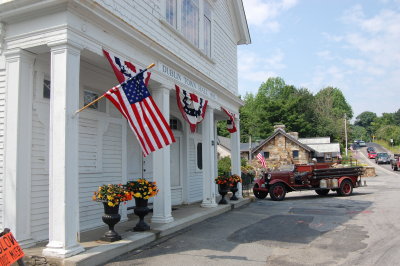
[[170, 12], [207, 29], [190, 21], [193, 19]]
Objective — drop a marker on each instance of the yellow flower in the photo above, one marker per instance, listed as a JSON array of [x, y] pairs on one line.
[[110, 204], [137, 195], [110, 197]]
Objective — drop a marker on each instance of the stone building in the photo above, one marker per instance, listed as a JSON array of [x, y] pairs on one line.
[[283, 148]]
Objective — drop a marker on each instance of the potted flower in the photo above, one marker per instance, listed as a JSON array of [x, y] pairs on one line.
[[233, 181], [141, 190], [111, 196], [223, 187]]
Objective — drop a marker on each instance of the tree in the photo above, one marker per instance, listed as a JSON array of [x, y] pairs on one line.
[[331, 107], [396, 117], [359, 132], [389, 132], [365, 119]]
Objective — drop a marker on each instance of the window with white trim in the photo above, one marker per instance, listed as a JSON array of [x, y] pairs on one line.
[[170, 12], [193, 19], [46, 89], [207, 29]]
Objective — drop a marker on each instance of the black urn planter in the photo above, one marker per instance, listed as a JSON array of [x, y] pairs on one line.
[[141, 210], [223, 190], [234, 189], [111, 217]]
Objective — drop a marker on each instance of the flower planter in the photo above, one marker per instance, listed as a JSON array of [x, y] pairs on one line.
[[234, 189], [223, 190], [111, 217], [141, 210]]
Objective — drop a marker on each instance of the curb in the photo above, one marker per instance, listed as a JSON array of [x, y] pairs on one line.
[[104, 253]]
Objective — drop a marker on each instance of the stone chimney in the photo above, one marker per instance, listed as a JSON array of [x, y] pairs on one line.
[[294, 134], [276, 127]]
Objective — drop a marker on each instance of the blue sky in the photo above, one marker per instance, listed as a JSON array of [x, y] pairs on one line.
[[353, 45]]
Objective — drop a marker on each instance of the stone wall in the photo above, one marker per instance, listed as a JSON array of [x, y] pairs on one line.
[[281, 150], [369, 171]]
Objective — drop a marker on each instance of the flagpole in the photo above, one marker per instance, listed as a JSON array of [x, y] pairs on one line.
[[117, 87]]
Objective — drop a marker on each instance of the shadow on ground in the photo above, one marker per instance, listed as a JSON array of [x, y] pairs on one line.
[[269, 223]]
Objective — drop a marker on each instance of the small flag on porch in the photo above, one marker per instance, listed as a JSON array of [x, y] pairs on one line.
[[230, 123], [262, 160], [135, 103], [192, 107]]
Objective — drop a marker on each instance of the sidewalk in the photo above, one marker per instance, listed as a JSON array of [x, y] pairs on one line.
[[97, 252]]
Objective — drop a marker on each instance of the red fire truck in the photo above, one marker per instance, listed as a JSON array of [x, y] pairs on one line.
[[319, 177]]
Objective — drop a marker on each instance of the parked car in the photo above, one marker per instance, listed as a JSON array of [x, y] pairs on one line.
[[362, 143], [369, 149], [382, 157], [372, 155], [395, 162]]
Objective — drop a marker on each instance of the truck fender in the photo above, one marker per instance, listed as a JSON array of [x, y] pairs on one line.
[[288, 187], [340, 180], [259, 185]]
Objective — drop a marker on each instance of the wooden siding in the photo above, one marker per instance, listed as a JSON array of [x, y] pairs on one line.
[[40, 176], [146, 16], [2, 128], [108, 149]]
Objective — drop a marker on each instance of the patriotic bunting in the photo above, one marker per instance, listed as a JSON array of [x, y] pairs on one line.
[[123, 70], [135, 103], [192, 107], [230, 123]]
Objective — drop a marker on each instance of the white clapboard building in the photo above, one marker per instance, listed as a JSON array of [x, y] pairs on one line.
[[51, 63]]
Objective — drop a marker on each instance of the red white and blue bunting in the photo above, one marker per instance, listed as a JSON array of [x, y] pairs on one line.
[[230, 123], [192, 107]]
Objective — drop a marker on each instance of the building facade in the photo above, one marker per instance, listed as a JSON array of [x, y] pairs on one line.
[[283, 148], [51, 64]]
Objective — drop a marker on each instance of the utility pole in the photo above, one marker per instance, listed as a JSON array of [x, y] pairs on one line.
[[345, 131]]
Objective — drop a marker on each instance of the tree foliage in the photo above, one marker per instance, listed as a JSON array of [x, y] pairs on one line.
[[276, 103], [297, 108]]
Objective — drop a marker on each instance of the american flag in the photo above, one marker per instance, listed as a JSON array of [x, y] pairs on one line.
[[231, 122], [262, 160], [135, 103]]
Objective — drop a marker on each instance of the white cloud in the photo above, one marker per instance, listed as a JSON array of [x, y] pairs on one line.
[[366, 62], [256, 68], [264, 13], [326, 54]]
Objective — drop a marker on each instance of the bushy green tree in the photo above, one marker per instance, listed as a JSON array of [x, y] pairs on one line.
[[224, 166], [331, 109], [389, 132]]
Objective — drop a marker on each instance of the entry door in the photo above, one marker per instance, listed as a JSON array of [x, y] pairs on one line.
[[175, 170]]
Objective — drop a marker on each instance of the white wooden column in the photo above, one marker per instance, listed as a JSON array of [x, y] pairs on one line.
[[235, 155], [208, 160], [63, 166], [18, 138], [162, 207]]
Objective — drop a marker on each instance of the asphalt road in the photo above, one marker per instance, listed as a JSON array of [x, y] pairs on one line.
[[362, 154], [304, 229]]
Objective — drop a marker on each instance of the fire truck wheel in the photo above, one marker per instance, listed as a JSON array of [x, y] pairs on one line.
[[259, 194], [322, 192], [346, 188], [277, 191]]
